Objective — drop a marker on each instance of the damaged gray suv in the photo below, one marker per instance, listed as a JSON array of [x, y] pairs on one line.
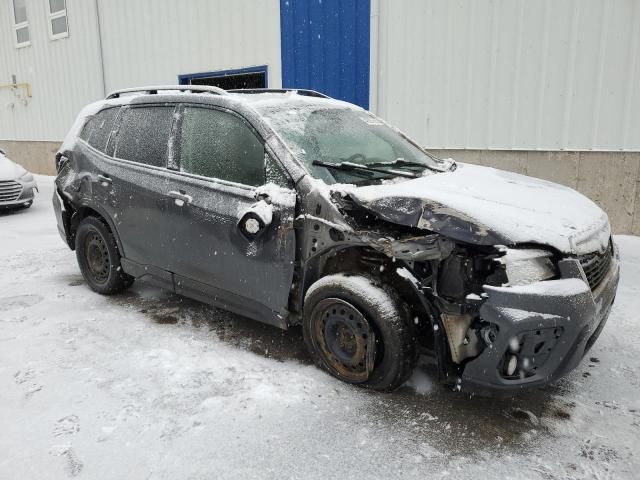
[[293, 208]]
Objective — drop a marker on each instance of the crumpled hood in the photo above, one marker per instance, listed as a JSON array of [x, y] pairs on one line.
[[486, 206], [9, 170]]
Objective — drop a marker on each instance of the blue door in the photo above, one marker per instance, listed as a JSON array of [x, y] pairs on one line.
[[325, 47]]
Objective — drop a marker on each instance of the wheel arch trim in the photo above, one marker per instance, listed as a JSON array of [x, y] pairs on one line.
[[86, 209]]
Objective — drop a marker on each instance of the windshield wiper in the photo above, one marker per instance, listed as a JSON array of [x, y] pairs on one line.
[[400, 162], [349, 166]]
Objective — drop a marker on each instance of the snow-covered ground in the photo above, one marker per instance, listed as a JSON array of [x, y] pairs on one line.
[[148, 385]]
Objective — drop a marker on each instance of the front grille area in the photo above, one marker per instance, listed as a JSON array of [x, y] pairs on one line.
[[9, 190], [596, 265]]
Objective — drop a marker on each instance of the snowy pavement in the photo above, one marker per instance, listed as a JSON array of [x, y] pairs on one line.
[[148, 385]]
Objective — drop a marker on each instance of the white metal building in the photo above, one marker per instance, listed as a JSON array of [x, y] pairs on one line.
[[545, 87]]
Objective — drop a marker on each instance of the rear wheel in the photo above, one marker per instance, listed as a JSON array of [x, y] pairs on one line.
[[359, 331], [99, 259]]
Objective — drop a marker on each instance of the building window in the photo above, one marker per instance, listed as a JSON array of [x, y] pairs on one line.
[[58, 26], [251, 77], [20, 23]]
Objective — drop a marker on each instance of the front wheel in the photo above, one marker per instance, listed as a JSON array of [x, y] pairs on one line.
[[359, 331], [99, 259]]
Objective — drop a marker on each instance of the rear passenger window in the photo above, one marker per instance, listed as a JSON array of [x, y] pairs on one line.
[[143, 135], [96, 131], [220, 145]]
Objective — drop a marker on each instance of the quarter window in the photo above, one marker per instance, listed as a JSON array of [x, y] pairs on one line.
[[21, 23], [143, 135], [58, 26], [218, 144], [96, 131]]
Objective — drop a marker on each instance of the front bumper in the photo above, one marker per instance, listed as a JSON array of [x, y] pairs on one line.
[[547, 326], [25, 198]]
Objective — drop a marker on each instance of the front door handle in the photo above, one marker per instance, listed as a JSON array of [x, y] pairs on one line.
[[104, 180], [180, 198]]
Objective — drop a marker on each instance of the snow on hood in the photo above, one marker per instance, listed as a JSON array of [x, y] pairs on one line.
[[10, 170], [486, 206]]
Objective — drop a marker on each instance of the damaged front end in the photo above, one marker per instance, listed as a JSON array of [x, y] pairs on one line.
[[537, 332], [495, 318], [520, 317]]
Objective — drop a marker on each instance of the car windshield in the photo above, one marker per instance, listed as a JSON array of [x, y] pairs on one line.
[[345, 145]]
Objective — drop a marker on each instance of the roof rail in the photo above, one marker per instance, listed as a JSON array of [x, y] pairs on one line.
[[152, 90], [299, 91]]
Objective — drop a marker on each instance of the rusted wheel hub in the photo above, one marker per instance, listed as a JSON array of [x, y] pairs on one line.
[[97, 257], [344, 339]]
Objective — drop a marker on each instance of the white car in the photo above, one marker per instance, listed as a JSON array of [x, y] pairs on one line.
[[17, 186]]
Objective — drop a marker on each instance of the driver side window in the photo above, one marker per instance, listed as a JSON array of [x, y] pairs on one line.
[[218, 144]]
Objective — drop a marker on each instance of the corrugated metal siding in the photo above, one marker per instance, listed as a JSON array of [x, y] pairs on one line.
[[64, 74], [511, 74], [482, 74], [143, 42], [325, 47], [154, 41]]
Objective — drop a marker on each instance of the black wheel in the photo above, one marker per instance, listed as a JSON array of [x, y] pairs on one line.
[[99, 259], [359, 331]]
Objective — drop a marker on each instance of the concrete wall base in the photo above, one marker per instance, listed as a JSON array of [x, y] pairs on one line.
[[37, 157], [611, 179]]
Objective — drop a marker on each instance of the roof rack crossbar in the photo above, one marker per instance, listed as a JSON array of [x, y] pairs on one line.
[[299, 91], [151, 90]]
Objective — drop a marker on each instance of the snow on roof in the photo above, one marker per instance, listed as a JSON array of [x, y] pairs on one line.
[[286, 99], [88, 111], [255, 101]]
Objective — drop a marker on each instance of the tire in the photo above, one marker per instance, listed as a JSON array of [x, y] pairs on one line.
[[359, 331], [99, 259]]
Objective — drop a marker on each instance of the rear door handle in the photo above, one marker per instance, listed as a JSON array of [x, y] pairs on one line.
[[104, 180], [180, 198]]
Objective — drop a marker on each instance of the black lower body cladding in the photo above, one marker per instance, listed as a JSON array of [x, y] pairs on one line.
[[540, 332]]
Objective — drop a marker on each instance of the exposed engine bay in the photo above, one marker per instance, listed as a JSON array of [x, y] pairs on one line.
[[448, 284]]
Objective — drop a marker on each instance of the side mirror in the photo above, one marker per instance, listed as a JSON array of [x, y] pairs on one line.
[[255, 220], [2, 152]]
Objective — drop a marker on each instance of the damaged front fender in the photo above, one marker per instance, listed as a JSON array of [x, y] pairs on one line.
[[412, 248], [434, 217]]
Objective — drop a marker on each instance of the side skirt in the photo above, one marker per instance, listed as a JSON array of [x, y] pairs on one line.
[[204, 293]]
